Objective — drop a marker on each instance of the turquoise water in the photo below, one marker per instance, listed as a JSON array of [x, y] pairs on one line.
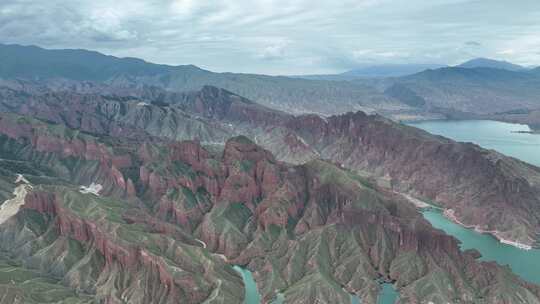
[[388, 295], [252, 295], [489, 134], [525, 263], [502, 138]]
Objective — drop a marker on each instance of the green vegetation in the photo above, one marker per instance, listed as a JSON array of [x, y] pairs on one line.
[[191, 200], [242, 140], [27, 286], [246, 165], [346, 181], [180, 168], [238, 214]]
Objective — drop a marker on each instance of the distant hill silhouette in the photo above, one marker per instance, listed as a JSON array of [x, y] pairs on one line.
[[491, 63]]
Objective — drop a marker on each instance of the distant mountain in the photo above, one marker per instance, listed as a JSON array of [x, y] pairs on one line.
[[390, 70], [483, 74], [490, 63], [476, 91], [293, 95], [37, 63], [430, 94], [376, 71]]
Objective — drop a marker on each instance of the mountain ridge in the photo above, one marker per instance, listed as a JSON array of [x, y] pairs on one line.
[[491, 63], [205, 211], [355, 140], [476, 93]]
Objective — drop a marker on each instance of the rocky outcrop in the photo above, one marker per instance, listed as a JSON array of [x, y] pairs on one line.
[[485, 189], [478, 185], [185, 210], [126, 263]]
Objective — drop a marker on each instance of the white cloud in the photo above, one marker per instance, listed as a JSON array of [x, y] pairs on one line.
[[297, 36], [507, 52]]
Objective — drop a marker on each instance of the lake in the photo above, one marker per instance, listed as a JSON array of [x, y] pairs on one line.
[[499, 136], [524, 263]]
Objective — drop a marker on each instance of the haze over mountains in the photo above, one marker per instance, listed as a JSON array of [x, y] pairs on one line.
[[489, 89], [377, 71], [490, 63], [399, 70]]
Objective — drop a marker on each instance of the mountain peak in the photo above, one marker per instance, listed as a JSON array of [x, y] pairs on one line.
[[491, 63]]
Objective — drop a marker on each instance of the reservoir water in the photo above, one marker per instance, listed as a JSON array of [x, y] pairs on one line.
[[524, 263], [252, 295], [503, 138], [388, 294], [500, 136]]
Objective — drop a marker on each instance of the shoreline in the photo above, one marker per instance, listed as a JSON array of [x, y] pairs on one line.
[[526, 132], [450, 214], [533, 128], [418, 202]]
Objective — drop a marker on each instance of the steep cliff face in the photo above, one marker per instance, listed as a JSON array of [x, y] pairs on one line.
[[483, 188], [107, 250], [311, 232], [116, 115]]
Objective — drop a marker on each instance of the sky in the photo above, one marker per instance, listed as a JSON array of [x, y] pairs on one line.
[[286, 37]]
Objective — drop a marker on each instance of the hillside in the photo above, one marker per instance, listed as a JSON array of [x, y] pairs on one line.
[[108, 219], [480, 186]]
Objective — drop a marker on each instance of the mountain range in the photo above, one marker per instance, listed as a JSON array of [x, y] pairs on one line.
[[448, 92], [454, 173], [399, 70], [377, 71], [111, 213], [128, 182]]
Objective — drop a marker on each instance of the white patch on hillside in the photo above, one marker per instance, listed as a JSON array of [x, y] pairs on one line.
[[451, 214], [10, 207], [418, 203], [93, 189], [324, 119], [515, 244], [201, 242], [20, 179], [142, 104]]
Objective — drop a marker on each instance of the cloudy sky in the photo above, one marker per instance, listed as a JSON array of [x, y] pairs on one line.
[[281, 36]]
